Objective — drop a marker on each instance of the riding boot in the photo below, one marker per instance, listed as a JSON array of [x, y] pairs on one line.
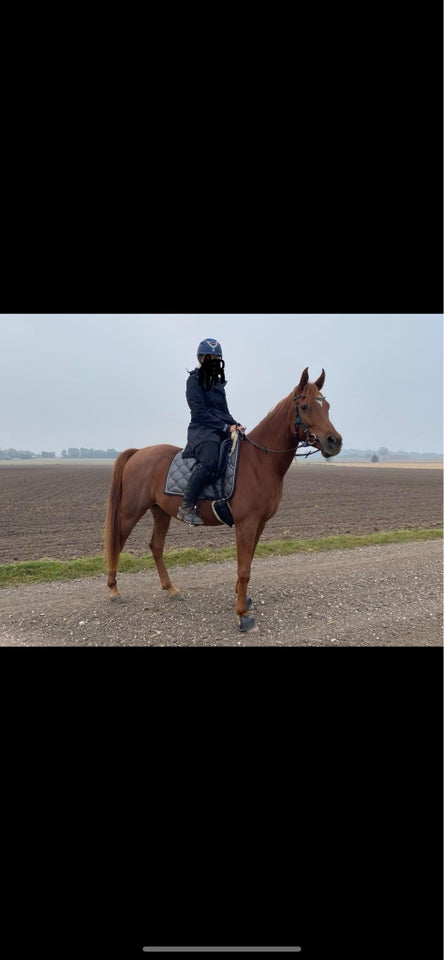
[[199, 477]]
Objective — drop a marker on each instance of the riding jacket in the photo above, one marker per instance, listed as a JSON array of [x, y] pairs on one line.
[[210, 416]]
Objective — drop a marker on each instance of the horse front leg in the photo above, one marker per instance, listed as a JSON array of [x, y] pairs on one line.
[[246, 538]]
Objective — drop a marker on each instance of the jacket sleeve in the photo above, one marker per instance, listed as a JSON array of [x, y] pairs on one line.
[[201, 413]]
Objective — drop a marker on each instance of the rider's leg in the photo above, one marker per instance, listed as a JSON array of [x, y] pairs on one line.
[[204, 471]]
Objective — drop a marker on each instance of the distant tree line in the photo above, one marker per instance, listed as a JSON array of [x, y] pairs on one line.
[[12, 454], [384, 454], [84, 453], [81, 453]]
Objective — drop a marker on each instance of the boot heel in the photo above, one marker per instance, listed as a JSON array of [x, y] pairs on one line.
[[188, 515]]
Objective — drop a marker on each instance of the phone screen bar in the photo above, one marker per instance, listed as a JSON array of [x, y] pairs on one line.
[[222, 949]]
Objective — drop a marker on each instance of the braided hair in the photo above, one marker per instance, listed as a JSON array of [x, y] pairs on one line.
[[211, 372]]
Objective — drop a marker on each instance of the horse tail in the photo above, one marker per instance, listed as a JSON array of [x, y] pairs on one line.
[[112, 520]]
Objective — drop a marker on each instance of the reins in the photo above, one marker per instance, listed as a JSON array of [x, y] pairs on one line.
[[302, 443]]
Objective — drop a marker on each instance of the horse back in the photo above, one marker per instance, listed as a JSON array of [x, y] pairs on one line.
[[155, 458], [144, 473]]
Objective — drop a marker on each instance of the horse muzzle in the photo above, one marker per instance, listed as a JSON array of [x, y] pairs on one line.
[[330, 445]]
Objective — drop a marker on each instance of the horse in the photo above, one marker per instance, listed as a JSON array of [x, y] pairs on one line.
[[265, 455]]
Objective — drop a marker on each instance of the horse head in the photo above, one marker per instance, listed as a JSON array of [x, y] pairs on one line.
[[312, 421]]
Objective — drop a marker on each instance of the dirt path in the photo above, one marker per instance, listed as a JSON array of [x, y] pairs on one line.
[[371, 596]]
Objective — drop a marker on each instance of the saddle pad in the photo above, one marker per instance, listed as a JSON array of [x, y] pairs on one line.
[[180, 471]]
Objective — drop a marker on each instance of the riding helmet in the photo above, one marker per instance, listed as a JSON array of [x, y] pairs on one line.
[[209, 347]]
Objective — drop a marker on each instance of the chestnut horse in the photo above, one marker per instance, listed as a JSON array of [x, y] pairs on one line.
[[265, 455]]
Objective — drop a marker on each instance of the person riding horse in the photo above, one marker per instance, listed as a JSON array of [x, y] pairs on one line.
[[139, 475], [211, 422]]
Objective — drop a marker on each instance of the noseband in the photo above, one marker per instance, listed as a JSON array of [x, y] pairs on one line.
[[310, 438]]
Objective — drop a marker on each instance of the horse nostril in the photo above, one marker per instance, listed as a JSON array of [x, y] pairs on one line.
[[334, 441]]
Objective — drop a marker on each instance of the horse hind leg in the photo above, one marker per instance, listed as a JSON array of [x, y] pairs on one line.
[[160, 529], [127, 525]]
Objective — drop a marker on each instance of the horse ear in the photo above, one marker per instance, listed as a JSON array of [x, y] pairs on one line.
[[303, 381], [320, 381]]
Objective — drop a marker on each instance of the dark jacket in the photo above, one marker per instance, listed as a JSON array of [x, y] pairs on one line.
[[210, 416]]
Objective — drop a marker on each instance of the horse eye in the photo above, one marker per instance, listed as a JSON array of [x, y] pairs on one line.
[[304, 406]]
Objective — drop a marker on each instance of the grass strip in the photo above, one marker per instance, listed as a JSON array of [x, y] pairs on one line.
[[41, 571]]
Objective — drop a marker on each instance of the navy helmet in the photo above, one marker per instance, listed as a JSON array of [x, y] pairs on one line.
[[210, 348]]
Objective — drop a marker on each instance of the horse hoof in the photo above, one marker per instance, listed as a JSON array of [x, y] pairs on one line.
[[176, 596], [117, 598], [247, 624]]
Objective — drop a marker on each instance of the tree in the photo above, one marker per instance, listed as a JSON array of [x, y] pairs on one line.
[[383, 452], [374, 459]]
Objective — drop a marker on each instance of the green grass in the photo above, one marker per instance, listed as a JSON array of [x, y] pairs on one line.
[[40, 571]]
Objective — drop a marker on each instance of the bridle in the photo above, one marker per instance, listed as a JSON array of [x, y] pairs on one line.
[[310, 438]]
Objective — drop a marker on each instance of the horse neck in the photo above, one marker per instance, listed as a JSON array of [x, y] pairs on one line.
[[274, 433]]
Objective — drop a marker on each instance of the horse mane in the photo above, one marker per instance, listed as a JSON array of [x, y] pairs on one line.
[[310, 391], [274, 414]]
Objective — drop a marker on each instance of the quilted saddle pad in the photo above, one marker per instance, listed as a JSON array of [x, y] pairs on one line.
[[180, 471]]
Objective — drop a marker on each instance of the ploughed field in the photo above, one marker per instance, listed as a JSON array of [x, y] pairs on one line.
[[57, 510]]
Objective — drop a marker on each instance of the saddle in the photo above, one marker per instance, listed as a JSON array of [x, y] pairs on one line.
[[220, 490]]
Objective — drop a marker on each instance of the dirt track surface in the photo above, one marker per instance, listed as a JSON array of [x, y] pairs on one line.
[[374, 596]]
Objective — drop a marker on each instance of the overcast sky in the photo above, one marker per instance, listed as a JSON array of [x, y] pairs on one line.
[[117, 381]]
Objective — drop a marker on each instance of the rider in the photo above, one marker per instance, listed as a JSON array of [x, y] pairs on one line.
[[211, 422]]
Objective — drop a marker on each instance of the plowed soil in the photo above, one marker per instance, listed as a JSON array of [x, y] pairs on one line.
[[57, 510]]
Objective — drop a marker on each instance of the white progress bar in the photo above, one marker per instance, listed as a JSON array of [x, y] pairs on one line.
[[222, 949]]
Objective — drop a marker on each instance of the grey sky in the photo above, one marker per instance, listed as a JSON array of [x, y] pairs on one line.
[[117, 381]]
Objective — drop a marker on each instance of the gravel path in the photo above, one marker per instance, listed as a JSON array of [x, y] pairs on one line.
[[370, 596]]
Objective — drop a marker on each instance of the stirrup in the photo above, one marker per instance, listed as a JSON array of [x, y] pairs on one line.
[[189, 515]]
